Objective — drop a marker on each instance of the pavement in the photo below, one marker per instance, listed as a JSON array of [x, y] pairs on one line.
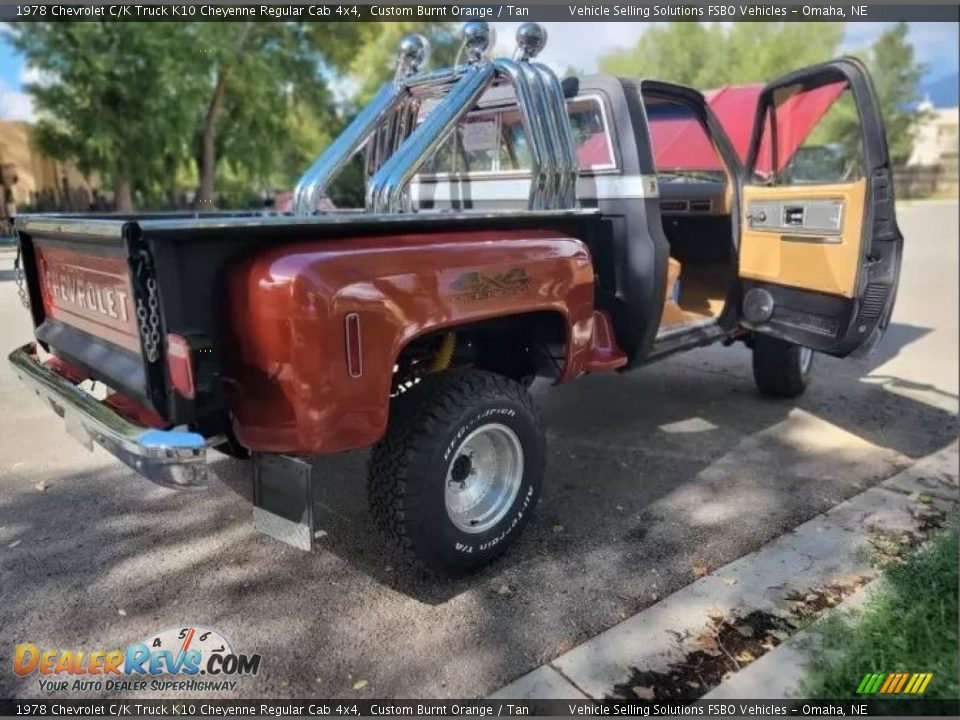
[[796, 578], [653, 477]]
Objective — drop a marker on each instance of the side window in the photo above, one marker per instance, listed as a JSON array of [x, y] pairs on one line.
[[811, 136], [590, 135], [683, 150], [471, 147], [496, 142]]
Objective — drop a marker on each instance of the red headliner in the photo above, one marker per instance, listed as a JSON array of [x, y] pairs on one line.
[[680, 143]]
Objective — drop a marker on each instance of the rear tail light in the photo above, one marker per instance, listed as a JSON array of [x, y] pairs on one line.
[[180, 365]]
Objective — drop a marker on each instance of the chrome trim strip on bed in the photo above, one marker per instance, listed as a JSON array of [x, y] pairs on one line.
[[599, 187]]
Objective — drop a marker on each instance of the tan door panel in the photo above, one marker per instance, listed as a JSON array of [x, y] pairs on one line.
[[823, 260]]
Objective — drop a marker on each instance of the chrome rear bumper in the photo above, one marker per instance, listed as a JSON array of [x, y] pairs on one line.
[[172, 458]]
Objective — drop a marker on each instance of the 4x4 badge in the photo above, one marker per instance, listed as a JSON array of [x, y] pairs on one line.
[[476, 285]]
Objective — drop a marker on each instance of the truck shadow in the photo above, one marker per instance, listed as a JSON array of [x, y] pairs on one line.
[[619, 445]]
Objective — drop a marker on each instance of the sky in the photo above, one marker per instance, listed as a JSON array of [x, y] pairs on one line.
[[935, 44]]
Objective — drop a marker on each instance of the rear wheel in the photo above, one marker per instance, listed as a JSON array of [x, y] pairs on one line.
[[454, 480], [781, 369]]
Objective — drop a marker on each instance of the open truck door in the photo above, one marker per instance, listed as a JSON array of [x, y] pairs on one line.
[[819, 250]]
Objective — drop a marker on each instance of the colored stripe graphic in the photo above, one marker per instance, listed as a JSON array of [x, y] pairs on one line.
[[894, 683]]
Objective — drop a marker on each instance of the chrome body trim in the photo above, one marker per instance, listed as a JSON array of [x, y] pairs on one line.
[[599, 187], [172, 458]]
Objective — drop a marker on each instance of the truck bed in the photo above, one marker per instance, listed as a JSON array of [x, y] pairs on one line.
[[186, 257]]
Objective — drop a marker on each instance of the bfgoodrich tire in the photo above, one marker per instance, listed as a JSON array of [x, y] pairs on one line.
[[454, 481], [781, 369]]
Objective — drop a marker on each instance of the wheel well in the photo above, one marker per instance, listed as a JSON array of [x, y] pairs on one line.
[[517, 346]]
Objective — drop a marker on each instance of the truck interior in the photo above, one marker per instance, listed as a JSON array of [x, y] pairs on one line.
[[695, 211]]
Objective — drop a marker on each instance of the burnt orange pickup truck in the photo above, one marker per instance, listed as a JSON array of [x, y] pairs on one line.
[[514, 226]]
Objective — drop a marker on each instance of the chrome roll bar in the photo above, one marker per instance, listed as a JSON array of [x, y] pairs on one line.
[[386, 189], [396, 148]]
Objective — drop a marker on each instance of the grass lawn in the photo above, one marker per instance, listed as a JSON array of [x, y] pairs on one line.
[[909, 626]]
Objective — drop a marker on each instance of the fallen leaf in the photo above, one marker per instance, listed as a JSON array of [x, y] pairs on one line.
[[745, 656], [729, 581], [320, 534], [925, 499], [643, 693], [558, 528], [41, 486], [707, 643], [360, 684], [700, 570], [716, 614], [121, 612], [812, 597]]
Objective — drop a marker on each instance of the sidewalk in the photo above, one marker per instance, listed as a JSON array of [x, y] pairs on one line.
[[753, 601]]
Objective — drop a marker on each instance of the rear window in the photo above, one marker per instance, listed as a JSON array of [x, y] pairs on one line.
[[495, 141]]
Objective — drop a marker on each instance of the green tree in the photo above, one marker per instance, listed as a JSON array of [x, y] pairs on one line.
[[896, 77], [107, 97], [704, 55], [374, 60], [139, 102]]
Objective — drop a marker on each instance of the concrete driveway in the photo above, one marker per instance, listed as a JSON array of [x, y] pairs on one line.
[[653, 478]]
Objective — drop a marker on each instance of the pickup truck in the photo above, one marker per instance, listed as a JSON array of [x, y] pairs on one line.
[[514, 226]]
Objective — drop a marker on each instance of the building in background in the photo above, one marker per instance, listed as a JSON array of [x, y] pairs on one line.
[[42, 183], [934, 164]]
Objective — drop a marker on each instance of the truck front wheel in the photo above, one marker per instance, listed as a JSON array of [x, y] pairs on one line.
[[459, 471], [781, 369]]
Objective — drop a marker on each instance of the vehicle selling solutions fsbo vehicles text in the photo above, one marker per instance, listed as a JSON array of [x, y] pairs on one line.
[[673, 11]]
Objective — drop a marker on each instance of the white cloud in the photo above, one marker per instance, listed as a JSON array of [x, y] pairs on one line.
[[14, 105]]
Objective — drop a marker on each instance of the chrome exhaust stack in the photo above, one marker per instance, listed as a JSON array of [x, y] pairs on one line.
[[396, 149]]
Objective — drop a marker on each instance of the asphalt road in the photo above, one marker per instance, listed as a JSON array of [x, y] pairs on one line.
[[652, 477]]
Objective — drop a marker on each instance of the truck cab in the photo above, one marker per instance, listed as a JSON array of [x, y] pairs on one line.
[[513, 226], [703, 212]]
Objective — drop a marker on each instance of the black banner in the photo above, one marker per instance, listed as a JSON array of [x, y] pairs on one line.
[[476, 708], [388, 12]]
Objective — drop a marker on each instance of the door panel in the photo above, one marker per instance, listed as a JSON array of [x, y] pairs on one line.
[[804, 237], [820, 249]]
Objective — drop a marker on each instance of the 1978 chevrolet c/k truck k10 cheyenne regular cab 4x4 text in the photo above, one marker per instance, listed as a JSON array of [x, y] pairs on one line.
[[514, 226]]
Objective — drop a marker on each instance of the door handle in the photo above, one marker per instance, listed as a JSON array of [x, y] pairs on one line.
[[793, 216]]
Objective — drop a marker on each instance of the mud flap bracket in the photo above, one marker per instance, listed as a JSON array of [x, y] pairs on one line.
[[283, 499]]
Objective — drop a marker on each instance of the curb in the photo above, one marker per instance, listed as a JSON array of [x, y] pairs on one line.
[[825, 551]]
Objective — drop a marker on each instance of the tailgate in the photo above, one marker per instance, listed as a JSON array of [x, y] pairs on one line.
[[84, 301], [89, 292]]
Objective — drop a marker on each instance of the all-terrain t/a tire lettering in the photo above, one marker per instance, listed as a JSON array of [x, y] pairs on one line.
[[455, 479]]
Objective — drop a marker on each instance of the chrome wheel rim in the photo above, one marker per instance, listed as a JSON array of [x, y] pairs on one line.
[[806, 359], [483, 478]]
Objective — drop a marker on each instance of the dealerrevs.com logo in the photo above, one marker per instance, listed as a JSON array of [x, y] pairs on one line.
[[192, 658]]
